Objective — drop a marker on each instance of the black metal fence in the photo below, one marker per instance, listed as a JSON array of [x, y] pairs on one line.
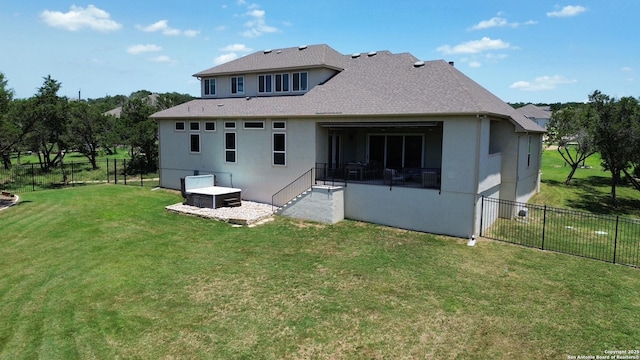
[[608, 238], [32, 177]]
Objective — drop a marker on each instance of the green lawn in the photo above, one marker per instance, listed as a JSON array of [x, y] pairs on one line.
[[105, 272], [590, 189]]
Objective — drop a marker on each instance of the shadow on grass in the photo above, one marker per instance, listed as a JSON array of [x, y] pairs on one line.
[[594, 195]]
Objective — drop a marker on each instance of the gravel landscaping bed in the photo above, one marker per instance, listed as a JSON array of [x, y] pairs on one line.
[[249, 213]]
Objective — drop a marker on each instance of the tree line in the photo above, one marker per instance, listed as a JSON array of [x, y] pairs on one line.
[[604, 125], [49, 125]]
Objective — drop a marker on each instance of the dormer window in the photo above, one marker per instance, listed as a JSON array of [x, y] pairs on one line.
[[282, 82], [237, 85], [210, 86], [265, 84], [300, 82]]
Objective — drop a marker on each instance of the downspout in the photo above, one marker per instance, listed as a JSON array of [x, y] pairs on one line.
[[476, 186]]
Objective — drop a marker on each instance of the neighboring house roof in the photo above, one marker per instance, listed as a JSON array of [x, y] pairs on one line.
[[373, 84], [152, 99], [536, 112]]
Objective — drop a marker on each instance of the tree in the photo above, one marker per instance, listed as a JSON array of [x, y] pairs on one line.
[[140, 132], [572, 130], [615, 133], [52, 123], [7, 128], [88, 127]]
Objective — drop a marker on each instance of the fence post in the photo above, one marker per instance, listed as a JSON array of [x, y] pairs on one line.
[[107, 171], [141, 179], [544, 225], [73, 183], [124, 169], [481, 212], [33, 179], [615, 242], [115, 171]]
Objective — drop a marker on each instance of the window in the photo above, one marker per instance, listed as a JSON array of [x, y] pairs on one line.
[[279, 149], [229, 124], [264, 84], [209, 126], [179, 125], [230, 147], [280, 125], [282, 82], [300, 81], [254, 124], [237, 85], [210, 86], [194, 126], [194, 143]]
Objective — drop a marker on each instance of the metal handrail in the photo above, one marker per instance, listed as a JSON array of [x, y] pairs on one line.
[[293, 189]]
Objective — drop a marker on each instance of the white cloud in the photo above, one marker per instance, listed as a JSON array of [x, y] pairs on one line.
[[225, 58], [567, 11], [542, 83], [499, 22], [257, 25], [474, 46], [237, 48], [164, 59], [140, 48], [626, 69], [475, 64], [78, 18], [163, 27]]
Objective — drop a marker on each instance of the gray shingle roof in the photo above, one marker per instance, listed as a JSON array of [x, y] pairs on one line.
[[385, 84], [289, 58], [532, 111]]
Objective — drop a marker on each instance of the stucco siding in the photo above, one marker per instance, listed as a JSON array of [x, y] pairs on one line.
[[460, 144], [413, 209]]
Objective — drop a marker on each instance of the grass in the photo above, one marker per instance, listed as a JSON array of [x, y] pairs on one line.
[[590, 189], [105, 272]]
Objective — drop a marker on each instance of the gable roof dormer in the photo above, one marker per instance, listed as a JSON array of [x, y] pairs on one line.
[[312, 56]]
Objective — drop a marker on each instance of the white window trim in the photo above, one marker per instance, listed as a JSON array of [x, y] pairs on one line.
[[293, 84], [184, 126], [215, 126], [237, 92], [199, 143], [194, 122], [265, 85], [206, 88], [274, 151], [235, 150], [230, 127], [288, 82], [244, 125], [273, 123]]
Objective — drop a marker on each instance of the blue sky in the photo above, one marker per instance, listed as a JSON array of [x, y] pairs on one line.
[[522, 51]]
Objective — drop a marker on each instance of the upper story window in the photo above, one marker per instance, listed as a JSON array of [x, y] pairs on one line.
[[237, 85], [179, 125], [265, 83], [253, 124], [209, 126], [282, 82], [210, 86], [194, 126], [300, 81]]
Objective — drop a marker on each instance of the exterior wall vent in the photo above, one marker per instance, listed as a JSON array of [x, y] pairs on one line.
[[302, 47], [418, 64], [372, 53], [355, 55]]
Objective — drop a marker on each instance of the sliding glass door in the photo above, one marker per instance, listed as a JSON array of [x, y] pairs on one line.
[[396, 151]]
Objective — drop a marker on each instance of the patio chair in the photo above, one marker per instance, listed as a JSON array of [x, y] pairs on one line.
[[392, 176]]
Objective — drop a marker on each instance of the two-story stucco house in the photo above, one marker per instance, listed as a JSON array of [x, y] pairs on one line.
[[413, 144]]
